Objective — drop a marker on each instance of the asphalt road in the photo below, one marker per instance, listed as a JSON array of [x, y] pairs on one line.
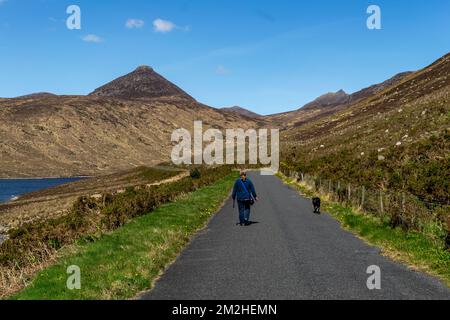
[[290, 253]]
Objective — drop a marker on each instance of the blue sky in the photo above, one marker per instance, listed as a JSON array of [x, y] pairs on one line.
[[268, 56]]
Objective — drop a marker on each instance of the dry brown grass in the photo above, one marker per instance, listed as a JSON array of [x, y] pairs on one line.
[[15, 278]]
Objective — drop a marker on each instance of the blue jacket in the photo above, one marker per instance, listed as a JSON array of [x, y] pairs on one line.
[[242, 194]]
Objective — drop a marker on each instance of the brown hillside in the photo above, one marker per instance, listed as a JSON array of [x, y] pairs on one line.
[[47, 136]]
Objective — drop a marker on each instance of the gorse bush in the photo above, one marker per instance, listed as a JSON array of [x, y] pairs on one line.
[[90, 217], [153, 174], [195, 173], [421, 168]]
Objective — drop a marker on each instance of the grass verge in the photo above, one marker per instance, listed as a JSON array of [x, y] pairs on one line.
[[414, 249], [129, 260]]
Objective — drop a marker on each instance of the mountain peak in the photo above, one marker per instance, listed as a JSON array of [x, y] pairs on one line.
[[144, 68], [143, 82], [328, 100], [242, 112]]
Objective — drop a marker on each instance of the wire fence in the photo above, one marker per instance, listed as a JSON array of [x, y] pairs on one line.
[[400, 208]]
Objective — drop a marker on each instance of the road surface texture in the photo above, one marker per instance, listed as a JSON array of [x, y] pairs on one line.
[[290, 253]]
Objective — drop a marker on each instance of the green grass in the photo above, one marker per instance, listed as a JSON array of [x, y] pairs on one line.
[[130, 259], [414, 249]]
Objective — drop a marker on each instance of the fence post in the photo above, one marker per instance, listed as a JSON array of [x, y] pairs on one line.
[[339, 191], [403, 202], [363, 191], [381, 202], [349, 192]]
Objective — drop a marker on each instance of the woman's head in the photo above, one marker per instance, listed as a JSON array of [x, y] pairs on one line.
[[243, 175]]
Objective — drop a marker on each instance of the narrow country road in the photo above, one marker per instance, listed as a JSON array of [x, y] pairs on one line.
[[290, 253]]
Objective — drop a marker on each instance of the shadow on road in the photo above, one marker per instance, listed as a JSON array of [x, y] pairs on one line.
[[250, 223]]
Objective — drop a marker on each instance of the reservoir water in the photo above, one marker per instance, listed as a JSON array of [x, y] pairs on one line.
[[10, 188]]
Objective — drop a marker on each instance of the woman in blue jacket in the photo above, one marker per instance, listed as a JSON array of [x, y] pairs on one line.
[[245, 193]]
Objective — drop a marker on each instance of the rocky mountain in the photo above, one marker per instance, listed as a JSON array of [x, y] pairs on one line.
[[242, 112], [328, 100], [398, 94], [125, 124], [330, 103], [143, 82]]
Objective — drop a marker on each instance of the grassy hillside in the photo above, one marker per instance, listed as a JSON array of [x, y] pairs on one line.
[[393, 145], [396, 139], [129, 260], [32, 246]]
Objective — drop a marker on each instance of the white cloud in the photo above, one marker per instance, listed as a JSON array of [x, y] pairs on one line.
[[221, 70], [134, 23], [92, 38], [163, 26]]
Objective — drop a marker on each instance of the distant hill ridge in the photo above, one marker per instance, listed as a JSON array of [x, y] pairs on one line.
[[37, 95], [330, 103], [341, 97], [242, 111], [328, 99]]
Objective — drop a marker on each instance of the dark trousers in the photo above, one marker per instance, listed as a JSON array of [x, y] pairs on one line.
[[244, 211]]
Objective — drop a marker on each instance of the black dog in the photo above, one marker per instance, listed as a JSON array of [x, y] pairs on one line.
[[316, 205]]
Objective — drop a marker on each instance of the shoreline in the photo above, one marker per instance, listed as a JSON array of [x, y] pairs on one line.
[[45, 178], [15, 196]]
